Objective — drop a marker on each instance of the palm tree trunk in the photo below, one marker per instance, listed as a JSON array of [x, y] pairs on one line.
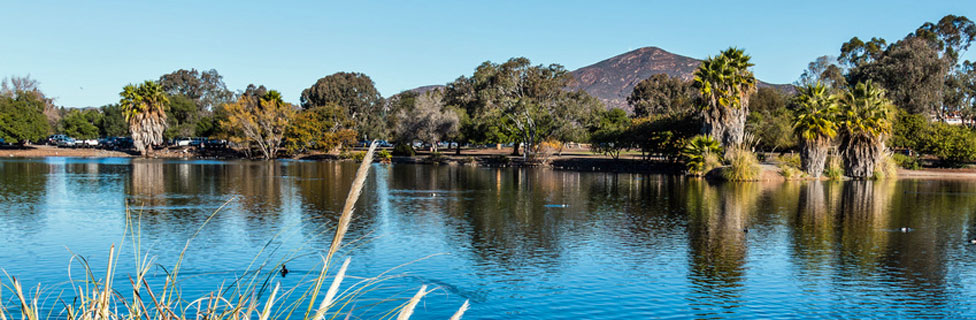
[[813, 156]]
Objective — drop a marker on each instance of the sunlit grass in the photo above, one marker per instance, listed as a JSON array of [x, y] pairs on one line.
[[255, 295]]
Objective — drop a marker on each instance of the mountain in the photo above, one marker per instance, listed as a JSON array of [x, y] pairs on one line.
[[613, 79]]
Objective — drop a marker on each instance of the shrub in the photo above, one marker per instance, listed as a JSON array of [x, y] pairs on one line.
[[743, 166], [906, 161], [403, 150], [545, 150], [953, 145], [791, 172], [791, 159], [700, 155], [835, 168], [886, 168], [384, 156]]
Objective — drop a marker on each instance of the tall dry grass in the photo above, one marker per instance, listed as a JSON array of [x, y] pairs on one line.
[[97, 298]]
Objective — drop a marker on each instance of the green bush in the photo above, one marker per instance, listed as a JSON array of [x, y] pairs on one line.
[[907, 162], [790, 159], [743, 166], [384, 156], [835, 168], [886, 168], [358, 156], [403, 150], [953, 145], [700, 155]]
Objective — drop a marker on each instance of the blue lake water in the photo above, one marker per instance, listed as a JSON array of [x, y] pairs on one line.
[[518, 243]]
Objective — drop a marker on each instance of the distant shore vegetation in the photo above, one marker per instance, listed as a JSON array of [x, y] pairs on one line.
[[876, 105]]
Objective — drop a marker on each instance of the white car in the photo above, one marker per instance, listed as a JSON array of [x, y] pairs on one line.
[[91, 142]]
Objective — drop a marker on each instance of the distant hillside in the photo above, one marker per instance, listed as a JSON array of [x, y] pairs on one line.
[[613, 79]]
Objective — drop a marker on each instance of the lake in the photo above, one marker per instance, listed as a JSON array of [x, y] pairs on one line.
[[527, 243]]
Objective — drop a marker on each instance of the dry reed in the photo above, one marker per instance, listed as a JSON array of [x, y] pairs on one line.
[[97, 299]]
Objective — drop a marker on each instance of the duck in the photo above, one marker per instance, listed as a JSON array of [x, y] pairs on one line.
[[284, 271], [745, 230], [905, 229], [973, 241]]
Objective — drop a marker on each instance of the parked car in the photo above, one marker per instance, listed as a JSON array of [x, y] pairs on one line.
[[53, 139], [91, 143], [215, 143], [181, 142], [65, 142], [197, 141], [383, 144]]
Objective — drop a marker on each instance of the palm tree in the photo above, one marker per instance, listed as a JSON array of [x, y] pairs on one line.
[[725, 84], [144, 108], [866, 121], [816, 125]]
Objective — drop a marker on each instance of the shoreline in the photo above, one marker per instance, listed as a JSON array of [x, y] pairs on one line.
[[577, 160]]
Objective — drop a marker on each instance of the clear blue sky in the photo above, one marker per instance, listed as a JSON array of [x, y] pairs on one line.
[[83, 53]]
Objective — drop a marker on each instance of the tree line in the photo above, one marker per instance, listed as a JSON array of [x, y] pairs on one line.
[[855, 107]]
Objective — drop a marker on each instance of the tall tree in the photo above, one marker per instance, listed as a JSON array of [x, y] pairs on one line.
[[81, 124], [824, 70], [815, 125], [259, 121], [429, 120], [319, 128], [725, 84], [517, 101], [22, 118], [951, 35], [206, 88], [356, 93], [770, 120], [662, 94], [913, 74], [15, 87], [866, 118], [112, 123], [144, 107]]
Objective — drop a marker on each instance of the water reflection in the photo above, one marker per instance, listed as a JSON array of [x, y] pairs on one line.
[[527, 243]]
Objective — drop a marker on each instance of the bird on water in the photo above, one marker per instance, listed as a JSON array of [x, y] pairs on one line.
[[284, 271]]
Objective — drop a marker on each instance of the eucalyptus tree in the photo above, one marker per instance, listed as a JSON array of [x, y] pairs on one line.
[[725, 84], [866, 118], [815, 125], [144, 108]]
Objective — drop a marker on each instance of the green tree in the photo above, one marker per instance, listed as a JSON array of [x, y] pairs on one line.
[[181, 117], [206, 89], [725, 84], [112, 122], [144, 108], [610, 135], [319, 128], [516, 101], [356, 93], [259, 122], [22, 118], [770, 120], [81, 124], [912, 73], [824, 70], [815, 126], [662, 94], [866, 122]]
